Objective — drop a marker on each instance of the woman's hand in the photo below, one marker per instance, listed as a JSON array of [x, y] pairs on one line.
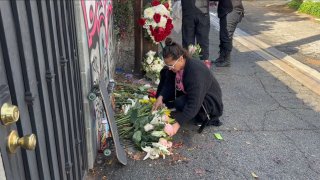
[[158, 103], [171, 130]]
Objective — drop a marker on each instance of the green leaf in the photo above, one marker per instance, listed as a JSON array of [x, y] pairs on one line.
[[137, 137], [143, 121], [134, 115], [218, 136], [160, 127], [148, 138], [141, 88]]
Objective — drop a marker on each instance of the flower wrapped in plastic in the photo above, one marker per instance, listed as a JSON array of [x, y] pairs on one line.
[[194, 51]]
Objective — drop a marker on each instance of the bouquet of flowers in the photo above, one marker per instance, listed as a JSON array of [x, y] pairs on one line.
[[194, 50], [145, 128], [157, 20], [152, 65]]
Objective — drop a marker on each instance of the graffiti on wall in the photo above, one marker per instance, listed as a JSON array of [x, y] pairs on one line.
[[98, 23], [97, 16]]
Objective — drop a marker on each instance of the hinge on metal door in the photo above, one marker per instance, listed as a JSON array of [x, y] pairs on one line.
[[78, 141], [49, 76], [63, 61], [28, 98], [68, 167]]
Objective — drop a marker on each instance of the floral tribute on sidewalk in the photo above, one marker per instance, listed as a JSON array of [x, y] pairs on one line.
[[152, 65], [136, 121], [157, 20]]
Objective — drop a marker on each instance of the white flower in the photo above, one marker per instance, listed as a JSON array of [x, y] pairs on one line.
[[161, 147], [152, 153], [133, 102], [147, 86], [148, 127], [149, 60], [156, 120], [157, 81], [145, 97], [153, 24], [192, 49], [126, 108], [162, 10], [149, 12], [158, 134], [163, 22], [151, 54]]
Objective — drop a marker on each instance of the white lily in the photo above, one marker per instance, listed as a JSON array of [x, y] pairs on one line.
[[152, 153], [133, 102], [161, 147], [151, 53], [126, 108], [156, 120], [148, 127]]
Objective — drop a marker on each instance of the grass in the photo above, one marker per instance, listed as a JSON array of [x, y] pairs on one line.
[[308, 7]]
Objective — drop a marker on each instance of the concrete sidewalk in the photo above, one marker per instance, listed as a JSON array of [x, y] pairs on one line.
[[295, 34]]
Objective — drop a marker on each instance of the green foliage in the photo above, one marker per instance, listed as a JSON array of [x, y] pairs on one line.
[[137, 137], [295, 4], [308, 7], [123, 17]]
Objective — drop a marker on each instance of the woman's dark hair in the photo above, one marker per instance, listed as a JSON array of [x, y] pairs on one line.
[[173, 50]]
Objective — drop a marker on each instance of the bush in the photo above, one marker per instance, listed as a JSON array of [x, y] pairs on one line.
[[308, 7], [295, 4]]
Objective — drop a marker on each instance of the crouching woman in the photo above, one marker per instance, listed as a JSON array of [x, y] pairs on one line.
[[188, 86]]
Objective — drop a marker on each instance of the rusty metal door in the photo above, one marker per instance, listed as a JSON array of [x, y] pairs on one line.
[[40, 81]]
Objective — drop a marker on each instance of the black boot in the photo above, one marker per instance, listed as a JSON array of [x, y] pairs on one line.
[[215, 121], [220, 58], [223, 60]]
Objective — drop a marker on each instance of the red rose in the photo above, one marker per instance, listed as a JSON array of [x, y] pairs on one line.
[[151, 30], [160, 30], [156, 17], [169, 25], [166, 4], [152, 93], [142, 21], [155, 3], [169, 20]]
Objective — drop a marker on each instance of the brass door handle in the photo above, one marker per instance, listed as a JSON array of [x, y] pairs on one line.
[[27, 142], [9, 114]]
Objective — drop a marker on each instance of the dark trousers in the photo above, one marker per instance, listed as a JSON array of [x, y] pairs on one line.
[[195, 29], [228, 25]]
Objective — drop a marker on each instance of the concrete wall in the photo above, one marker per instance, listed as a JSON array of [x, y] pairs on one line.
[[96, 54]]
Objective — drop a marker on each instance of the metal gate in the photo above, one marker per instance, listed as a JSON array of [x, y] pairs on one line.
[[39, 74]]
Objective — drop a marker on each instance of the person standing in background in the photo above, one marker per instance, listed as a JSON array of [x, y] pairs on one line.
[[230, 13], [196, 26]]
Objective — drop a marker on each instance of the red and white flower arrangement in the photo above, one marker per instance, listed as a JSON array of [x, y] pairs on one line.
[[157, 20]]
